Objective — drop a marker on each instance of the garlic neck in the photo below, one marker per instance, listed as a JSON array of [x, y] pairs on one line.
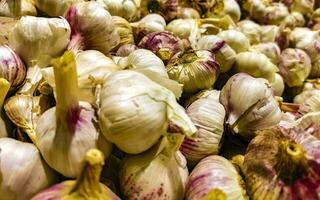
[[291, 162], [4, 89]]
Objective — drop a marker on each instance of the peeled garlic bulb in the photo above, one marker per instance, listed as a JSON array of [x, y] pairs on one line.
[[236, 40], [23, 171], [251, 30], [55, 8], [128, 9], [135, 112], [253, 110]]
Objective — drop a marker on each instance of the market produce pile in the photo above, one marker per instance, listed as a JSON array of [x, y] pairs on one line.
[[160, 100]]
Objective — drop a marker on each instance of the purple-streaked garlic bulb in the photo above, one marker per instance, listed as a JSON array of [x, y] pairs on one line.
[[164, 44], [11, 67], [215, 173]]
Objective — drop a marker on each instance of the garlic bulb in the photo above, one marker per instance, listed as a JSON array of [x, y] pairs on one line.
[[166, 8], [23, 172], [232, 8], [126, 49], [87, 186], [160, 173], [270, 49], [251, 30], [295, 66], [215, 172], [282, 165], [256, 64], [92, 68], [207, 6], [11, 67], [253, 110], [124, 30], [236, 40], [275, 14], [4, 126], [302, 6], [207, 94], [128, 9], [17, 8], [269, 33], [164, 44], [277, 85], [196, 70], [71, 121], [208, 116], [294, 19], [135, 112], [92, 27], [254, 8], [55, 8], [305, 95], [185, 13], [223, 53]]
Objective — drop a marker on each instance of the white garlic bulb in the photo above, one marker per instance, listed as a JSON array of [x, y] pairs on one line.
[[149, 23], [128, 9], [55, 8], [251, 30], [270, 49], [235, 39], [232, 8], [17, 8]]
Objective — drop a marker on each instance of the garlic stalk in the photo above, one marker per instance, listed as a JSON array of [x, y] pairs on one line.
[[87, 185], [166, 8], [186, 13], [208, 116], [71, 121], [251, 30], [23, 171], [92, 28], [196, 70], [17, 8], [215, 173], [235, 39], [135, 112], [124, 30], [248, 112], [55, 8], [4, 89], [270, 49], [163, 164]]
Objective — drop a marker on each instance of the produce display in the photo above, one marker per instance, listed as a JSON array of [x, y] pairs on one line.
[[160, 100]]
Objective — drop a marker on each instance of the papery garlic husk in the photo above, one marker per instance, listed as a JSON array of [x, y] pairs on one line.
[[208, 116], [295, 66], [160, 173], [302, 6], [166, 8], [55, 8], [126, 49], [128, 9], [236, 40], [186, 13], [270, 49], [92, 27], [277, 85], [253, 110], [6, 25], [164, 44], [148, 24], [223, 53], [282, 165], [124, 30], [294, 19], [4, 125], [23, 171], [92, 68], [196, 70], [215, 172], [87, 186], [11, 67], [17, 8], [66, 132], [135, 112], [251, 30], [256, 64]]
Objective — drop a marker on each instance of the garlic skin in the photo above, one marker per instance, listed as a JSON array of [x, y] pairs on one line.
[[55, 8], [282, 164], [126, 49], [256, 64], [21, 163], [166, 8], [124, 30], [11, 67], [248, 112], [48, 38], [17, 8], [92, 28], [196, 70], [186, 13], [270, 49], [235, 39], [223, 53], [87, 186], [156, 175], [215, 172], [70, 121], [251, 30], [232, 8], [136, 110], [277, 85], [208, 116], [295, 66]]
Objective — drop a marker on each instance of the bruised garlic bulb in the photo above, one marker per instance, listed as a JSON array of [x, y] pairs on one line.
[[256, 64], [55, 8], [160, 173], [166, 8], [128, 9], [236, 40], [295, 66], [207, 115], [71, 121], [251, 30], [92, 27], [17, 8], [124, 30], [223, 53], [215, 173], [23, 171], [270, 49], [135, 112], [253, 110], [196, 70]]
